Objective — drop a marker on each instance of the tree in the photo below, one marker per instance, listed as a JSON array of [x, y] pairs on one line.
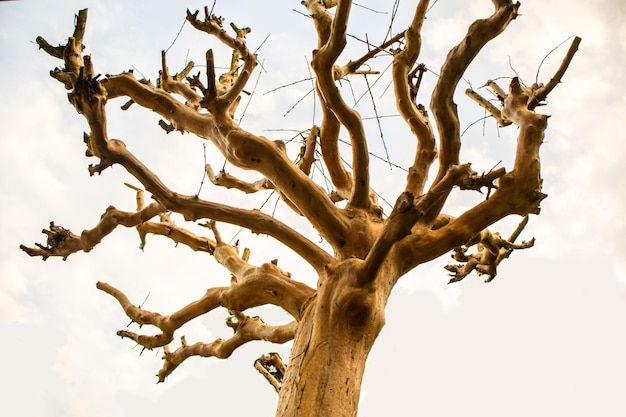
[[335, 324]]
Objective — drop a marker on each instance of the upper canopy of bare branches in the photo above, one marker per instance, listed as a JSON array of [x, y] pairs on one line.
[[380, 250]]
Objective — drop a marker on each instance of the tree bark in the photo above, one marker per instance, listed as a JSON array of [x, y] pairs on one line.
[[332, 344]]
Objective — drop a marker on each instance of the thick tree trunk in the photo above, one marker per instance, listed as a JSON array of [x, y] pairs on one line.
[[331, 346]]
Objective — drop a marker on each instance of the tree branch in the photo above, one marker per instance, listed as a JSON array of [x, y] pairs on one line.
[[491, 250], [323, 65], [488, 106], [251, 287], [166, 227], [542, 92], [223, 179], [457, 61], [329, 146], [408, 211], [89, 97], [519, 191], [232, 82], [260, 286], [174, 84], [307, 151], [247, 329], [71, 53], [414, 116], [61, 242], [182, 117], [240, 148]]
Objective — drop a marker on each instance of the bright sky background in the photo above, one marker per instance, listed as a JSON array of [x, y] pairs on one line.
[[546, 338]]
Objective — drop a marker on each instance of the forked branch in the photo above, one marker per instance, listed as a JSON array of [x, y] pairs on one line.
[[246, 329], [457, 61], [491, 249], [518, 192], [323, 64], [414, 116], [542, 92], [62, 242], [251, 286]]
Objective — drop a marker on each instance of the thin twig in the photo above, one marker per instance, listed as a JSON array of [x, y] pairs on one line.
[[513, 69], [308, 66], [473, 123], [203, 171], [368, 8], [262, 43], [177, 35], [380, 128], [289, 85], [394, 11], [256, 84], [298, 102], [380, 158], [548, 54]]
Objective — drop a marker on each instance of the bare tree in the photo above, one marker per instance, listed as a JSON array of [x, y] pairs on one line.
[[334, 325]]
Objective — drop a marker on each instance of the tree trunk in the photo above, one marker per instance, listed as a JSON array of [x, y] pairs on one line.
[[336, 333]]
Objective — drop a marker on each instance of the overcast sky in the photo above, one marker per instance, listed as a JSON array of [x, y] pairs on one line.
[[546, 338]]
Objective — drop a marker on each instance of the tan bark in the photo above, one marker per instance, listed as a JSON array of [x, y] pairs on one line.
[[331, 345], [334, 325]]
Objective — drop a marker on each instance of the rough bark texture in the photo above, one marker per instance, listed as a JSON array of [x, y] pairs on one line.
[[335, 324]]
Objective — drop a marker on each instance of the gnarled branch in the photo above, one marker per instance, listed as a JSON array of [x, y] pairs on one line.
[[415, 116], [247, 329], [323, 64], [457, 61], [491, 250], [61, 242]]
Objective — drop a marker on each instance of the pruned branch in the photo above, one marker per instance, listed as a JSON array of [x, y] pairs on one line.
[[542, 92], [247, 329], [166, 227], [251, 286], [61, 242], [491, 249], [232, 82], [489, 107], [71, 52], [329, 147], [409, 210], [323, 64], [457, 61], [223, 179], [182, 117], [307, 151], [174, 84], [414, 116], [352, 67]]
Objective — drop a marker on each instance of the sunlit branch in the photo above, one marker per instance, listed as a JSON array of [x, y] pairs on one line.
[[62, 242], [248, 329], [323, 64], [457, 61], [415, 116], [491, 250]]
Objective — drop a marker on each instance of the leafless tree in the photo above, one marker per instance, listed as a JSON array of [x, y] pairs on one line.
[[336, 323]]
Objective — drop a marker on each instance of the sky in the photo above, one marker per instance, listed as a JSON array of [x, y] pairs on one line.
[[547, 337]]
